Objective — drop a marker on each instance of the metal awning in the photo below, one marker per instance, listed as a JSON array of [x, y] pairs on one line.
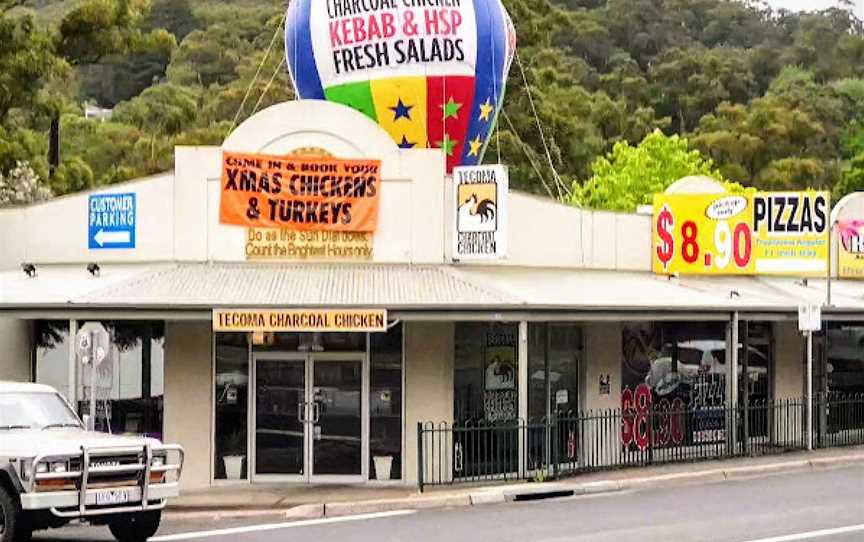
[[405, 289]]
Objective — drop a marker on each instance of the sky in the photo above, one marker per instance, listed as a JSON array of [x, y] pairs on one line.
[[811, 4]]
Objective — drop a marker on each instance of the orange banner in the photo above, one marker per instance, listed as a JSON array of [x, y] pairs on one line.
[[309, 194]]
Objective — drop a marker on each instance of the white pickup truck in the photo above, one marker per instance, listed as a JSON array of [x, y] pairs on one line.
[[53, 471]]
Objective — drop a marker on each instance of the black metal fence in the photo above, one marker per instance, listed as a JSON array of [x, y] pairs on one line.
[[595, 440], [838, 420]]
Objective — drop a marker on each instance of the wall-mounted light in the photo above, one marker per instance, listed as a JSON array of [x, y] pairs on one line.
[[93, 269], [29, 269]]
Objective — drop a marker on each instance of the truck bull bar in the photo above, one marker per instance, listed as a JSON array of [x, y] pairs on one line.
[[142, 470]]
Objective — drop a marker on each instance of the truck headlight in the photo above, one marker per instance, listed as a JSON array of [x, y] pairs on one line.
[[41, 468], [59, 467], [157, 461]]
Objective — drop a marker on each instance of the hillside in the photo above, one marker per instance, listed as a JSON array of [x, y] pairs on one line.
[[776, 100]]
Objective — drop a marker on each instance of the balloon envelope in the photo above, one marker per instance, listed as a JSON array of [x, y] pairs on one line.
[[430, 72]]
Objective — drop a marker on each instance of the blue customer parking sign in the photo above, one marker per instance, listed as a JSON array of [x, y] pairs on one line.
[[112, 219]]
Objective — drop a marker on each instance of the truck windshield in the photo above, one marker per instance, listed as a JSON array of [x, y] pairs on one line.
[[28, 410]]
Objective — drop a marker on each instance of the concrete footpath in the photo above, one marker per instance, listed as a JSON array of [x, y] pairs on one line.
[[286, 501]]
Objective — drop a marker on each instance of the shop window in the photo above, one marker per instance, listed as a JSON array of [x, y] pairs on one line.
[[485, 378], [487, 394], [845, 363], [676, 360], [51, 355], [129, 385], [554, 354], [231, 396], [687, 360], [385, 402]]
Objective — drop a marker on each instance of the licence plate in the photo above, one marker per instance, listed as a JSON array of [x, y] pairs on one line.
[[108, 497]]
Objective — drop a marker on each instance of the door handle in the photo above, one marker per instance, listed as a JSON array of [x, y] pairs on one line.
[[301, 412], [316, 411]]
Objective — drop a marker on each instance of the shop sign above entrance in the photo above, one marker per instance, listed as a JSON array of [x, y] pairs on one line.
[[111, 221], [300, 193], [480, 214], [759, 233], [300, 320]]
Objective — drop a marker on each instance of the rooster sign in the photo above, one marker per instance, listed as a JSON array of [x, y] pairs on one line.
[[480, 197]]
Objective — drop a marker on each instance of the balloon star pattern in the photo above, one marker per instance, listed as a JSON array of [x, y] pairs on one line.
[[432, 73]]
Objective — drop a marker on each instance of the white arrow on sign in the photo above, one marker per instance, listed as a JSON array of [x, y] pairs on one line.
[[103, 237]]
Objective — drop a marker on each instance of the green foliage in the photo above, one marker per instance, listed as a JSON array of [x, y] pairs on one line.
[[163, 109], [97, 28], [853, 178], [26, 60], [769, 99], [629, 176]]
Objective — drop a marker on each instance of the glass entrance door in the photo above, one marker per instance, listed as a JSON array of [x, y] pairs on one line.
[[338, 444], [280, 440], [311, 417]]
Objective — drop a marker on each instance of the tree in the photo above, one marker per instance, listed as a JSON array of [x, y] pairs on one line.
[[21, 186], [164, 109], [26, 61], [774, 98], [629, 176], [852, 180], [97, 28], [745, 141]]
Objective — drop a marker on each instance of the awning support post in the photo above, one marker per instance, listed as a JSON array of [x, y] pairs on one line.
[[732, 382], [809, 422], [522, 364], [72, 368]]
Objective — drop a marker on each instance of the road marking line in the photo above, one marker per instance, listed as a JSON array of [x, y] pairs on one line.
[[278, 526], [812, 534]]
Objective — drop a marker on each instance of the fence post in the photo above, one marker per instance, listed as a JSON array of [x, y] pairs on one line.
[[555, 441], [651, 434], [420, 461]]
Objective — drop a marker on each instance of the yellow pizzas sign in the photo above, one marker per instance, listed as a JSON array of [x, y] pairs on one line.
[[311, 320], [761, 233]]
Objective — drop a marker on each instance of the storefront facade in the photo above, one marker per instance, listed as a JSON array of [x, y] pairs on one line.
[[572, 321]]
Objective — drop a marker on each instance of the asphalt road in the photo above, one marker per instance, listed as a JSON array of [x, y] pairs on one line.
[[824, 506]]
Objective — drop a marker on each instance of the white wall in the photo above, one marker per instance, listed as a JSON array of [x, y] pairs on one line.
[[544, 232], [429, 354], [178, 214], [189, 397], [789, 362], [57, 231], [602, 357], [15, 359]]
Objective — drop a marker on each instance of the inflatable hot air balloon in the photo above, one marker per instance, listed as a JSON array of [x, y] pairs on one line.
[[430, 72]]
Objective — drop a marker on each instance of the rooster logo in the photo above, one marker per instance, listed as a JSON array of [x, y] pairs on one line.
[[478, 214]]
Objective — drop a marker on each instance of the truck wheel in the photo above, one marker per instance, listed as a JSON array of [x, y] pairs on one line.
[[12, 525], [134, 527]]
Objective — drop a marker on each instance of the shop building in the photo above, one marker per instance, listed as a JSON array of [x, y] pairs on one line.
[[570, 322]]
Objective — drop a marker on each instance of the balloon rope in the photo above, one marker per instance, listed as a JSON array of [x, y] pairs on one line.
[[257, 73], [267, 88], [526, 150], [559, 184], [498, 99]]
